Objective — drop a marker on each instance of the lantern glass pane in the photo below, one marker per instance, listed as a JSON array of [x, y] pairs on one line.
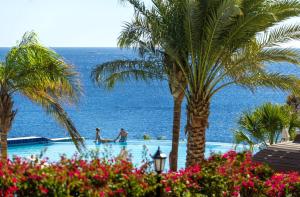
[[158, 165], [163, 162]]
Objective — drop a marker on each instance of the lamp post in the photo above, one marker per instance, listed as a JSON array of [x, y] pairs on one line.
[[159, 160]]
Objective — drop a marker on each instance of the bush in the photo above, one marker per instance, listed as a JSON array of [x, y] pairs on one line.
[[75, 177], [231, 174], [146, 137]]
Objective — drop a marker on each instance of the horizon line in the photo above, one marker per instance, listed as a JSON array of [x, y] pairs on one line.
[[115, 47], [71, 46], [102, 47]]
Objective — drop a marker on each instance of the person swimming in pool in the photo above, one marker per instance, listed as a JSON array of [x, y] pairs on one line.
[[122, 135], [101, 140]]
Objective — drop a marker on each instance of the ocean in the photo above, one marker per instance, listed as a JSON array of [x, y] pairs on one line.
[[139, 107]]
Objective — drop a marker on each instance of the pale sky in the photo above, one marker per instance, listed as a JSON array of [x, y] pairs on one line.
[[67, 23]]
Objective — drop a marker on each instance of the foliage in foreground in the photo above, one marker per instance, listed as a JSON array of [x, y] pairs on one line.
[[231, 174]]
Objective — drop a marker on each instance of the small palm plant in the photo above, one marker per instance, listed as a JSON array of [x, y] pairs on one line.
[[42, 76], [264, 125]]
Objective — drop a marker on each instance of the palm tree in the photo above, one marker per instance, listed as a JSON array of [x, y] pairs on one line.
[[230, 42], [151, 31], [42, 76], [264, 125]]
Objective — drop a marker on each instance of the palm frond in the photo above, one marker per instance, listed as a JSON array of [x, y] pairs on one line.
[[283, 9], [216, 21], [241, 137], [107, 74], [33, 65], [286, 55], [278, 35], [135, 34], [53, 108], [29, 38], [138, 5], [271, 80], [2, 72]]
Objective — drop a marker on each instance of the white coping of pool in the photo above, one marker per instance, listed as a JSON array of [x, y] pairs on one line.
[[24, 138], [63, 139]]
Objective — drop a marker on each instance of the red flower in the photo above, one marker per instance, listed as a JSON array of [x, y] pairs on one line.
[[43, 190], [14, 180], [12, 189]]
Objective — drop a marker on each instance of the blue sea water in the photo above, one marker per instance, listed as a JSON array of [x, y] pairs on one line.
[[139, 107]]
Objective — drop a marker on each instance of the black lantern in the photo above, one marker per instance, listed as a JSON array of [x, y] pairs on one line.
[[159, 160]]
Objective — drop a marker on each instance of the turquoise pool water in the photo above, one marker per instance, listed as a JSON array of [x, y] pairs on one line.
[[134, 147]]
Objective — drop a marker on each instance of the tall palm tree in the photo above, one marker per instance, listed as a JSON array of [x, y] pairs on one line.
[[42, 76], [230, 42], [151, 31], [264, 125]]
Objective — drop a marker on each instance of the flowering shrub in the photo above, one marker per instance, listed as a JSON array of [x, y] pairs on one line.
[[283, 184], [231, 174], [74, 177]]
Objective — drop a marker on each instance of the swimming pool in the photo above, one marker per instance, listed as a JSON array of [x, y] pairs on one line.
[[134, 147]]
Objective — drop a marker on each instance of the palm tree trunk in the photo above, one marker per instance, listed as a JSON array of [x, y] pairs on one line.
[[197, 123], [177, 88], [7, 115], [3, 146], [176, 131]]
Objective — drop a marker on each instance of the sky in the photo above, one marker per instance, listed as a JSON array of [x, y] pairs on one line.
[[61, 23], [67, 23]]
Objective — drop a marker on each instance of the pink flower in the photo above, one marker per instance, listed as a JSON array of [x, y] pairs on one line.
[[102, 194], [168, 189], [229, 155], [235, 194]]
